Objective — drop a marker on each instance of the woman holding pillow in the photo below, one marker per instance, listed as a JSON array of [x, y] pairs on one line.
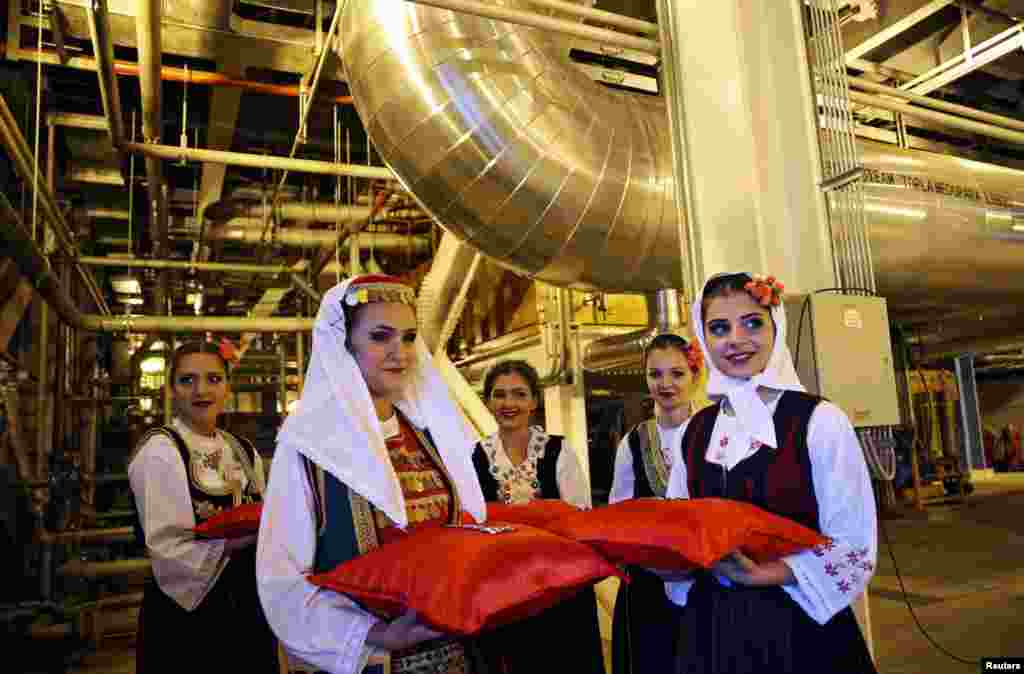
[[376, 448], [202, 593], [644, 628], [520, 464], [767, 442]]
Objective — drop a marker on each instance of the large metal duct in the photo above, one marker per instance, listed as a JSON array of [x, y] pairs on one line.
[[514, 150]]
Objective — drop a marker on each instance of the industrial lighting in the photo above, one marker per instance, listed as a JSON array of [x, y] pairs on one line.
[[126, 284], [1018, 228], [146, 404], [152, 365], [130, 299]]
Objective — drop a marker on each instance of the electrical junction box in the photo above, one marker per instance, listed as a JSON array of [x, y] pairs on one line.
[[845, 354]]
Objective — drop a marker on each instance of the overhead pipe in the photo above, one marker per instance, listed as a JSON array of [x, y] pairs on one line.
[[935, 103], [303, 211], [21, 156], [110, 96], [534, 20], [229, 267], [181, 324], [599, 16], [173, 153], [947, 120], [295, 237], [147, 30]]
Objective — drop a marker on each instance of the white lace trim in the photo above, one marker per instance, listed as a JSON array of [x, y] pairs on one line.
[[516, 484]]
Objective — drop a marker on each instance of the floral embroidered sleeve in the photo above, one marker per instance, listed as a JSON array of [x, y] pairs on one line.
[[831, 576]]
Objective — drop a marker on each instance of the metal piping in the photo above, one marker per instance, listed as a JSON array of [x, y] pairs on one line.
[[533, 20], [443, 292], [171, 153], [530, 161], [599, 16], [942, 106], [233, 267], [19, 152], [99, 29], [664, 313], [294, 237], [180, 324], [303, 211], [950, 121], [147, 29]]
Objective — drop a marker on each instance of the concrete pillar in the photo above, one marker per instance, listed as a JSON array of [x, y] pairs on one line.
[[740, 96]]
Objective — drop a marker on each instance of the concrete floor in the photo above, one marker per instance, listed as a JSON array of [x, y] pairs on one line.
[[963, 571], [962, 567]]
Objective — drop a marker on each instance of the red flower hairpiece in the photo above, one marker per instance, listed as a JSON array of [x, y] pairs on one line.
[[694, 357], [228, 351], [766, 290]]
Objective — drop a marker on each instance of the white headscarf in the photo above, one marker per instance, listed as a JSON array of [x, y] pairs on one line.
[[753, 418], [335, 424]]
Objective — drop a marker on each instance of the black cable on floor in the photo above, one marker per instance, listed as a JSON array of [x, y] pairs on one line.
[[906, 600]]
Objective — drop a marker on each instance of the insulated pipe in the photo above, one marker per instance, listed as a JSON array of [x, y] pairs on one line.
[[295, 237], [172, 153], [625, 351], [315, 211], [451, 272], [512, 148]]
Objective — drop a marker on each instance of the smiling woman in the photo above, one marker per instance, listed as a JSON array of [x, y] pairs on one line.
[[201, 592], [519, 464]]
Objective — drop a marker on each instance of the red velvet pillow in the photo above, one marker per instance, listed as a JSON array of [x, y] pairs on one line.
[[241, 521], [684, 534], [537, 513], [461, 580]]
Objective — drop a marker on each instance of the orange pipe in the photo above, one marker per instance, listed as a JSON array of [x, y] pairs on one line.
[[170, 74]]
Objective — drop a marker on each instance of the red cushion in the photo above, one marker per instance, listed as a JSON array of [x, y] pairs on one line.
[[685, 534], [537, 513], [238, 522], [461, 580]]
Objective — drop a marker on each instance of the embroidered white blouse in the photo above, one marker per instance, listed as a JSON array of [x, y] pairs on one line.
[[184, 567], [520, 483], [830, 577], [623, 480]]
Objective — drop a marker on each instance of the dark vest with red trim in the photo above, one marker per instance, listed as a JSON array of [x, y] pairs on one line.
[[777, 480]]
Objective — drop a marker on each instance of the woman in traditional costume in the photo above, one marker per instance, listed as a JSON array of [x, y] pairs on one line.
[[767, 442], [643, 628], [376, 448], [200, 609], [519, 464]]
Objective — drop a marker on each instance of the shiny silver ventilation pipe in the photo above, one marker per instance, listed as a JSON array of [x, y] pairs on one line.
[[513, 149], [147, 27]]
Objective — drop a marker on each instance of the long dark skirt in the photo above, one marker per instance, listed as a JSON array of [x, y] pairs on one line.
[[227, 632], [564, 638], [645, 625], [744, 630]]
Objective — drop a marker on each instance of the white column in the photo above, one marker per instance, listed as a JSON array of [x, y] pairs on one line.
[[741, 95]]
